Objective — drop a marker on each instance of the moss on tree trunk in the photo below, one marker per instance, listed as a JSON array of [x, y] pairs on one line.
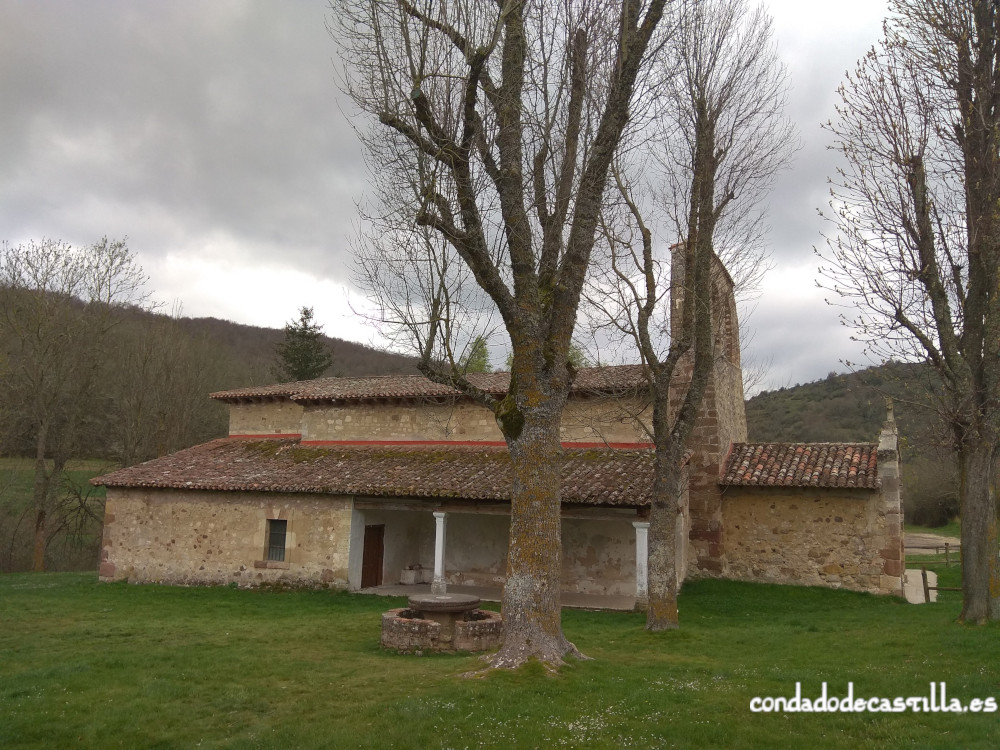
[[979, 469], [531, 604]]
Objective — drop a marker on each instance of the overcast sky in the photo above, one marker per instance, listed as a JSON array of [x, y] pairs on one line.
[[211, 134]]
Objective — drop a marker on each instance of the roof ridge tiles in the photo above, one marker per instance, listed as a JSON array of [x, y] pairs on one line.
[[613, 378]]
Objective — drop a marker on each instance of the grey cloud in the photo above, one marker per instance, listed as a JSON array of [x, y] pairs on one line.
[[800, 342], [179, 123], [216, 117]]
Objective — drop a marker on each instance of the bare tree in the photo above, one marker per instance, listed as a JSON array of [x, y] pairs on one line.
[[724, 136], [729, 89], [58, 307], [502, 120], [427, 302], [156, 393], [917, 247]]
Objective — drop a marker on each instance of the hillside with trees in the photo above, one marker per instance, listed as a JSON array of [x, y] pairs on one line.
[[144, 395], [851, 408], [91, 378], [254, 348], [152, 398]]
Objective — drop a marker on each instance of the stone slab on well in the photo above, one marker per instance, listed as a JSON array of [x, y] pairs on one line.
[[443, 602]]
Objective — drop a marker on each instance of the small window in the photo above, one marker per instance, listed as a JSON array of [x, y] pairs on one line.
[[276, 532]]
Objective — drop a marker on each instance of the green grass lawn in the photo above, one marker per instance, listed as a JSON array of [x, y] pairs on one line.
[[67, 550], [84, 664], [20, 471], [953, 529]]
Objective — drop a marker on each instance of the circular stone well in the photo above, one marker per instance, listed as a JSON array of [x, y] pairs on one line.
[[442, 622]]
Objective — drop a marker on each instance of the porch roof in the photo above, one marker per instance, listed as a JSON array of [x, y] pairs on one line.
[[593, 476]]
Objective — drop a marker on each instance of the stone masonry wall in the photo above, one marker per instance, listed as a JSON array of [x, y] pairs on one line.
[[808, 536], [584, 420], [891, 505], [265, 418], [720, 422], [598, 557], [403, 420], [193, 537], [730, 405]]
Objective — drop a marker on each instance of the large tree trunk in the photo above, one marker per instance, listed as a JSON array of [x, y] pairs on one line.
[[979, 469], [692, 328], [662, 611], [531, 603]]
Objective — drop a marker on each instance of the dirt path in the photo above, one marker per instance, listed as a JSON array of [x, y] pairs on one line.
[[925, 542]]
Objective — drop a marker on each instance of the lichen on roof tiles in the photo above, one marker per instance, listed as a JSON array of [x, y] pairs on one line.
[[591, 476]]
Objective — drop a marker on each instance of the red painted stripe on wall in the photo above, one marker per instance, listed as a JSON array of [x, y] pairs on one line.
[[495, 443], [271, 436]]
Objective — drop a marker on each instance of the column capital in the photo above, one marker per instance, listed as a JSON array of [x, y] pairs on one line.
[[640, 525]]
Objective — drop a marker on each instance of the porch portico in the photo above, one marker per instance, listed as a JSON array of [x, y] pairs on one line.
[[461, 546]]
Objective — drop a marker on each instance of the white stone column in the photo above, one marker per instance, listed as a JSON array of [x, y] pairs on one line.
[[438, 585], [641, 564]]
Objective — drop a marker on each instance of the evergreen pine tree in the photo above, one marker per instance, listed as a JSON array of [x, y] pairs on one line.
[[303, 355], [577, 357], [477, 358]]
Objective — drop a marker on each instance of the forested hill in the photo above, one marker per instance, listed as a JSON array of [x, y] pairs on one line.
[[851, 408], [846, 407], [254, 346], [126, 384], [84, 386]]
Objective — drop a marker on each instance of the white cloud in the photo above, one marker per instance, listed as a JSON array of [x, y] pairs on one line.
[[218, 284]]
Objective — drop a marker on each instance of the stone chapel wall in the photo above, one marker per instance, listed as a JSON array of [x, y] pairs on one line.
[[612, 420], [275, 417], [721, 420], [810, 537], [214, 538]]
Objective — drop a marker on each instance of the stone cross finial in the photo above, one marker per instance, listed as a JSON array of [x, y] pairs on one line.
[[889, 437]]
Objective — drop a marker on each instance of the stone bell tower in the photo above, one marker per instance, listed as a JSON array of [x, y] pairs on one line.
[[721, 419]]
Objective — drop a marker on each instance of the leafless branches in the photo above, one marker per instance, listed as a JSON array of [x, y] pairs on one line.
[[722, 80], [729, 78], [720, 135], [59, 305], [501, 122], [916, 249], [497, 123]]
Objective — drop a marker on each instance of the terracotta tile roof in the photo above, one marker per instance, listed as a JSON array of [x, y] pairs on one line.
[[589, 379], [802, 465], [276, 389], [591, 476]]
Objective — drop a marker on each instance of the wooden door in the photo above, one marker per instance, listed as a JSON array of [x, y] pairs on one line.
[[371, 561]]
